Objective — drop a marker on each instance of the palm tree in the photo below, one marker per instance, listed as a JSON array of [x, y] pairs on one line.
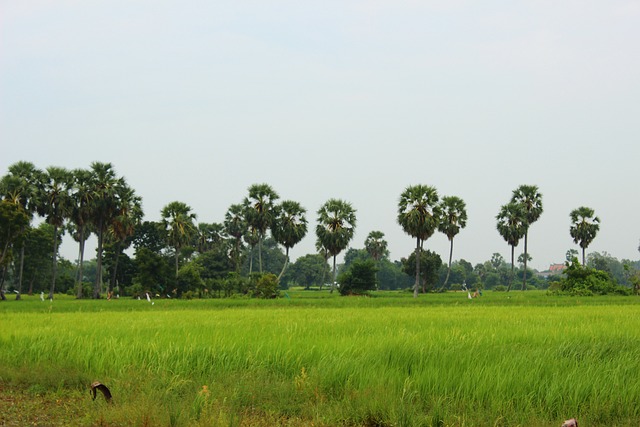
[[127, 216], [103, 188], [56, 206], [418, 215], [376, 246], [453, 219], [511, 225], [81, 217], [530, 199], [336, 226], [289, 227], [235, 225], [584, 227], [208, 236], [21, 186], [260, 212], [179, 224]]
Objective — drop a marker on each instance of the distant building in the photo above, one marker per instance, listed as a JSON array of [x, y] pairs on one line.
[[554, 269]]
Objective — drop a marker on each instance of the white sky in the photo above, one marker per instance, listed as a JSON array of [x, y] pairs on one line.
[[196, 100]]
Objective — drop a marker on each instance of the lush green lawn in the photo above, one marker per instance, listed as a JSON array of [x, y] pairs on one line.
[[312, 358]]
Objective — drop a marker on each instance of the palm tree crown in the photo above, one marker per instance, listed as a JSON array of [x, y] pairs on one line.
[[418, 215], [336, 227], [584, 227]]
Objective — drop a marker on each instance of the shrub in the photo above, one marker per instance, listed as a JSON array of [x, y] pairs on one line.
[[500, 288], [359, 278], [264, 286], [585, 281]]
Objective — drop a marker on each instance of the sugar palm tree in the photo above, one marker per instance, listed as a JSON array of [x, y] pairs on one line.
[[530, 199], [81, 217], [453, 218], [235, 225], [103, 189], [584, 227], [376, 247], [178, 221], [127, 216], [260, 212], [56, 206], [335, 229], [289, 227], [511, 224], [418, 215], [21, 186]]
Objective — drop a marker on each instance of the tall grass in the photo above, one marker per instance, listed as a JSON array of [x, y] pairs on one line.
[[350, 361]]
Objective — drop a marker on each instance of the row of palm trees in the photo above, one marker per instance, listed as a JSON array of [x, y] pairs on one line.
[[89, 201], [97, 201]]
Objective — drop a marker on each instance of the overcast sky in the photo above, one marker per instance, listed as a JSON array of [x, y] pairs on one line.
[[196, 100]]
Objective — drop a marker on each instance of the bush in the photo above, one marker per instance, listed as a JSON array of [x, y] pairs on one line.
[[586, 281], [456, 287], [500, 288], [359, 278], [264, 286]]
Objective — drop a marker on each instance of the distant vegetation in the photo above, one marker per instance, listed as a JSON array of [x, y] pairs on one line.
[[181, 257]]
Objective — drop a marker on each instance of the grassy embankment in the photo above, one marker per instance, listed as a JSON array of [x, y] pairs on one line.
[[318, 359]]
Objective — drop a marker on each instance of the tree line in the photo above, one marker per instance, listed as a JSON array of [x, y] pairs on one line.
[[248, 252]]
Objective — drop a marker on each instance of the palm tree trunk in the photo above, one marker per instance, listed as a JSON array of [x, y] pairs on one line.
[[19, 294], [513, 249], [286, 262], [80, 262], [524, 275], [260, 253], [55, 262], [583, 260], [114, 273], [333, 283], [416, 286], [98, 285], [4, 272], [446, 280]]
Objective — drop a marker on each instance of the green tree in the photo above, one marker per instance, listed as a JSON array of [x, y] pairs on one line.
[[308, 270], [453, 219], [152, 271], [56, 206], [584, 227], [178, 221], [260, 212], [13, 223], [418, 215], [149, 235], [21, 187], [335, 229], [103, 187], [81, 218], [358, 278], [429, 265], [511, 224], [289, 227], [236, 227], [37, 264], [376, 246], [530, 199], [127, 215]]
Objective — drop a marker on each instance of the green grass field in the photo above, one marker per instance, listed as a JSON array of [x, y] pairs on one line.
[[311, 358]]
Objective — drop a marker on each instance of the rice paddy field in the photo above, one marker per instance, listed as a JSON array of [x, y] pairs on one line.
[[316, 359]]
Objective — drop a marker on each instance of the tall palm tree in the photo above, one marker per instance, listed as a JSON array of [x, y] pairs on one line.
[[376, 247], [289, 227], [21, 186], [103, 188], [453, 219], [56, 206], [209, 236], [418, 215], [179, 224], [127, 216], [81, 217], [322, 250], [260, 211], [335, 229], [235, 225], [584, 227], [530, 199], [511, 224]]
